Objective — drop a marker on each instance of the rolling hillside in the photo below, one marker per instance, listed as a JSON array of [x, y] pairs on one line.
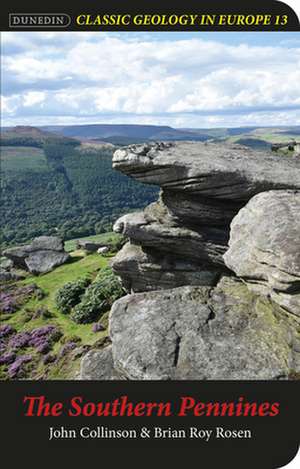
[[59, 179], [55, 186]]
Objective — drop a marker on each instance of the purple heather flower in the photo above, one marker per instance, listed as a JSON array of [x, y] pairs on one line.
[[12, 299], [16, 368], [19, 340], [66, 348], [6, 330], [42, 331], [7, 358], [40, 336]]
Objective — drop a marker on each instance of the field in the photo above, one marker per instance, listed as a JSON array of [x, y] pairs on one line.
[[267, 135]]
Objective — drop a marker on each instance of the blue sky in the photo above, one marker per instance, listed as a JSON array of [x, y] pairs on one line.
[[179, 79]]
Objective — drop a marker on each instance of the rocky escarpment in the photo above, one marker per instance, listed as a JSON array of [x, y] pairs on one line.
[[181, 239], [41, 256], [187, 314]]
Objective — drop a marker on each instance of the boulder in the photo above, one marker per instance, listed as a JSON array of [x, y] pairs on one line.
[[40, 262], [98, 365], [41, 256], [47, 243], [10, 275], [18, 255], [89, 246], [264, 246], [199, 333]]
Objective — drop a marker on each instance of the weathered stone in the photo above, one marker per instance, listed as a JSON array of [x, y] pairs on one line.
[[264, 246], [40, 262], [17, 255], [46, 243], [198, 333], [6, 264], [148, 269], [205, 244], [89, 246], [194, 209], [42, 255], [98, 365], [9, 275], [217, 170]]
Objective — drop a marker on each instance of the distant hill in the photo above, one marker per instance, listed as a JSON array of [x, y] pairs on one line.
[[256, 143], [111, 132], [28, 136]]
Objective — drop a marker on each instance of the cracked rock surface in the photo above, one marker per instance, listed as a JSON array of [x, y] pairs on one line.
[[264, 246], [200, 333], [148, 269]]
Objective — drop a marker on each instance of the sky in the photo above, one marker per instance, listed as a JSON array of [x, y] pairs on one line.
[[185, 80]]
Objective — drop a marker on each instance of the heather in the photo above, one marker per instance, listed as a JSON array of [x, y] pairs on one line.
[[32, 325], [12, 297]]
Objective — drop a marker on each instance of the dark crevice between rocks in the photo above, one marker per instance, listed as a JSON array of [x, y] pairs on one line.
[[177, 349], [211, 315]]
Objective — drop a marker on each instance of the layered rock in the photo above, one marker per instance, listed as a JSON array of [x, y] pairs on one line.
[[41, 256], [148, 269], [188, 316], [213, 170], [203, 187], [264, 246]]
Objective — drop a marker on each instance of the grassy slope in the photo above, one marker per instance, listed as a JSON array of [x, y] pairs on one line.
[[70, 245], [79, 266], [268, 134]]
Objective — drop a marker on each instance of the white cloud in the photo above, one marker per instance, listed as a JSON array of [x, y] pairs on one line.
[[33, 97], [51, 77]]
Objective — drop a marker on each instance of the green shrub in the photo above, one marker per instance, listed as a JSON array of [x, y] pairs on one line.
[[98, 297], [70, 294]]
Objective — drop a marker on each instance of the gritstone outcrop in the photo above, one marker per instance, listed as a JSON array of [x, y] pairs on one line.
[[211, 268]]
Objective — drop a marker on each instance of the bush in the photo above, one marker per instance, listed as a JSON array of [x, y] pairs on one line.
[[70, 294], [98, 297]]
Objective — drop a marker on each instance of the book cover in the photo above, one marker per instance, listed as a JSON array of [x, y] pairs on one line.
[[150, 249]]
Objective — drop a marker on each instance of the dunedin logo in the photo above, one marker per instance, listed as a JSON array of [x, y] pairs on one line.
[[39, 20]]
